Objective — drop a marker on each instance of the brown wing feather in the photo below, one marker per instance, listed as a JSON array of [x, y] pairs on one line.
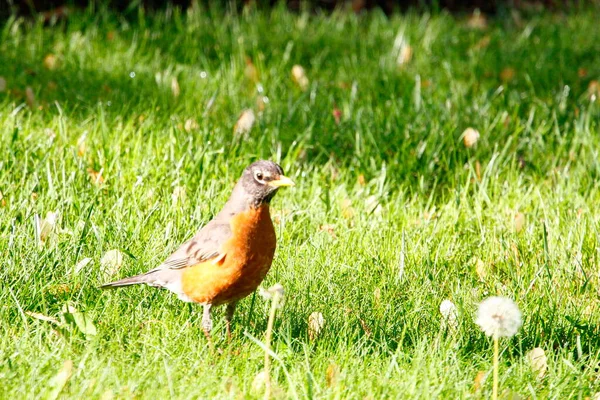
[[205, 245]]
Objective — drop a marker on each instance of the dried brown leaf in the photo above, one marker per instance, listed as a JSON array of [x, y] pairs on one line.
[[299, 77], [82, 145], [482, 43], [175, 87], [95, 176], [348, 211], [245, 122], [479, 380], [47, 225], [331, 374], [330, 229], [42, 317], [470, 137], [50, 62], [507, 74], [519, 222], [538, 362], [30, 97], [250, 71], [190, 125], [361, 180], [404, 55], [481, 269], [477, 20]]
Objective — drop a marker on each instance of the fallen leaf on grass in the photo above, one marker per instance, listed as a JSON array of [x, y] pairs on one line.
[[245, 122], [2, 200], [83, 323], [175, 87], [479, 380], [111, 262], [481, 269], [331, 375], [330, 229], [361, 180], [404, 55], [593, 90], [190, 124], [58, 382], [42, 317], [519, 222], [347, 209], [538, 361], [507, 74], [250, 71], [82, 144], [95, 176], [30, 97], [373, 205], [299, 77], [478, 170], [47, 225], [261, 102], [316, 323], [477, 20], [482, 43], [50, 62], [81, 265], [470, 137]]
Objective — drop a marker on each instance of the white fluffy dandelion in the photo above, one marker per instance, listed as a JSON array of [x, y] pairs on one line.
[[499, 317]]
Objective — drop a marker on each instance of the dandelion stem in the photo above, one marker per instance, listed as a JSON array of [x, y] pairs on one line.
[[496, 356], [274, 303]]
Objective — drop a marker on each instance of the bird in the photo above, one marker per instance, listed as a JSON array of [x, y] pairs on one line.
[[228, 258]]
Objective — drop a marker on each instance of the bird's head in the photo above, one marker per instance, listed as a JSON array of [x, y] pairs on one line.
[[261, 180]]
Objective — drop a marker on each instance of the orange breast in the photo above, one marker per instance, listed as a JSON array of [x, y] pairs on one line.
[[248, 257]]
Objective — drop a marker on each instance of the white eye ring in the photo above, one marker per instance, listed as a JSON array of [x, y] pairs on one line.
[[259, 176]]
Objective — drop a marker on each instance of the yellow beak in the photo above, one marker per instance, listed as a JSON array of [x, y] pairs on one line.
[[282, 181]]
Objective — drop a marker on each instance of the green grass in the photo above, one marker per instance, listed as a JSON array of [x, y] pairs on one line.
[[392, 182]]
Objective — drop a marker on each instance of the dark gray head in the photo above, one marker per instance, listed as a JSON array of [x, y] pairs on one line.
[[259, 183]]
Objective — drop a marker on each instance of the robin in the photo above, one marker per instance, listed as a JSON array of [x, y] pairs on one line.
[[230, 256]]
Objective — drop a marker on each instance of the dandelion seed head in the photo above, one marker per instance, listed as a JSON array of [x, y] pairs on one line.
[[499, 317]]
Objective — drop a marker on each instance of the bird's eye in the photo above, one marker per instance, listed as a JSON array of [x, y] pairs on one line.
[[259, 176]]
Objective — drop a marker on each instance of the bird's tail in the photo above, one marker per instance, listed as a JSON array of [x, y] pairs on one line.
[[133, 280]]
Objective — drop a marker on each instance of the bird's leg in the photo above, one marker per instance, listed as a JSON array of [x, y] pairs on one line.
[[228, 317], [207, 321]]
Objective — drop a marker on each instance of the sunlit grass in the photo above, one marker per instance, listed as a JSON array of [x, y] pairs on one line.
[[392, 214]]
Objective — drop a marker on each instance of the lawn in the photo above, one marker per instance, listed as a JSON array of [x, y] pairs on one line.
[[126, 128]]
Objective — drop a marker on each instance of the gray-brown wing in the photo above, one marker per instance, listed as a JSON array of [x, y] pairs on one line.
[[205, 245]]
